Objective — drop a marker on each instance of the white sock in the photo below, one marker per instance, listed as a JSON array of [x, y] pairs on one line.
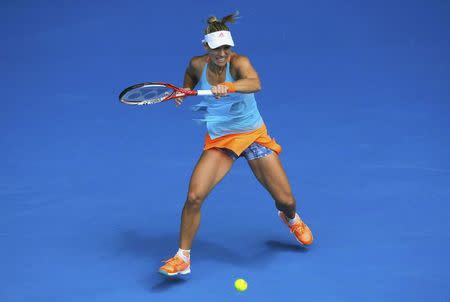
[[182, 255], [293, 220]]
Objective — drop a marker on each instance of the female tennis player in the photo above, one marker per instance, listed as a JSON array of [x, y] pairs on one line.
[[234, 129]]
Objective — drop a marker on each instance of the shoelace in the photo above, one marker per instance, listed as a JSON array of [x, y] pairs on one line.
[[299, 226], [173, 262], [173, 259]]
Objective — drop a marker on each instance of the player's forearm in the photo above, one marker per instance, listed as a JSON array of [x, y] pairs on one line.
[[248, 85]]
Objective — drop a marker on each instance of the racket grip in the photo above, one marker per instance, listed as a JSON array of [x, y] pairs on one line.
[[204, 92]]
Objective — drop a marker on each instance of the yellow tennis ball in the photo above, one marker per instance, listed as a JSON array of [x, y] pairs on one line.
[[240, 285]]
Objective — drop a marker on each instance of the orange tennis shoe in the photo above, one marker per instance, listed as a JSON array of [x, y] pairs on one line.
[[300, 230], [175, 266]]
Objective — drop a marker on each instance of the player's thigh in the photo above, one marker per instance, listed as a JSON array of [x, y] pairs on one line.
[[210, 169], [270, 173]]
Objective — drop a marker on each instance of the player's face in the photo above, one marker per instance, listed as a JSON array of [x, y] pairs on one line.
[[219, 55]]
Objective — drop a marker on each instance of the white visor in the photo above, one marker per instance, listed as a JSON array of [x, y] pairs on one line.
[[218, 38]]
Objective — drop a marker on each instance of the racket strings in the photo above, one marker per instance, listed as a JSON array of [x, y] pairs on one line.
[[151, 98], [147, 95]]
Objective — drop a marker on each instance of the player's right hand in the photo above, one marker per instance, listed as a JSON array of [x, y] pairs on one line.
[[179, 101], [219, 91]]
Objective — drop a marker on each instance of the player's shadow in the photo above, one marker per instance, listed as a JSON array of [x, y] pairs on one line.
[[164, 283], [157, 248], [282, 246]]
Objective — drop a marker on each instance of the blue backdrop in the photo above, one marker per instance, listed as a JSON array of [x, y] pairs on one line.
[[356, 92]]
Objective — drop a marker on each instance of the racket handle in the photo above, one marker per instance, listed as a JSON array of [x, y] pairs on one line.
[[204, 92]]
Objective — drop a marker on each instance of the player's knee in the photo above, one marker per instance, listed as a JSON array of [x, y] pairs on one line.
[[194, 200]]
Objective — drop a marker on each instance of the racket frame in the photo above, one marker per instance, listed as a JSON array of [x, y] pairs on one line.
[[177, 93]]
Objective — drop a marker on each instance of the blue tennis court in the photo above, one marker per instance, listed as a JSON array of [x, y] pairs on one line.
[[91, 190]]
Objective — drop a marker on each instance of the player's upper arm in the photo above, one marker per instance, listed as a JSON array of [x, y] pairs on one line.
[[245, 69], [191, 77]]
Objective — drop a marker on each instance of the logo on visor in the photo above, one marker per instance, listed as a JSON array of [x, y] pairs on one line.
[[221, 35]]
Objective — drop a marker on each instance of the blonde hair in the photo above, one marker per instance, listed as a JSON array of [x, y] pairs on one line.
[[215, 24]]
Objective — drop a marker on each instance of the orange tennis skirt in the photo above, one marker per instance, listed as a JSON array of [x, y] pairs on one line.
[[241, 141]]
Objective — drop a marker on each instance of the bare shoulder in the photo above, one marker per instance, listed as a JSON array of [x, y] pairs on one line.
[[198, 62], [238, 60], [196, 65], [241, 67]]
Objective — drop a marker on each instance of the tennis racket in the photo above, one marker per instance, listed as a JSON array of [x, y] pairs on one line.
[[156, 92]]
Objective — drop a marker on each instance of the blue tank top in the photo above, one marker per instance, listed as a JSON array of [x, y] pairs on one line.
[[234, 113]]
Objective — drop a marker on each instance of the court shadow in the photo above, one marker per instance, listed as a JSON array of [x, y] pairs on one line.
[[164, 283], [283, 246], [157, 248]]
